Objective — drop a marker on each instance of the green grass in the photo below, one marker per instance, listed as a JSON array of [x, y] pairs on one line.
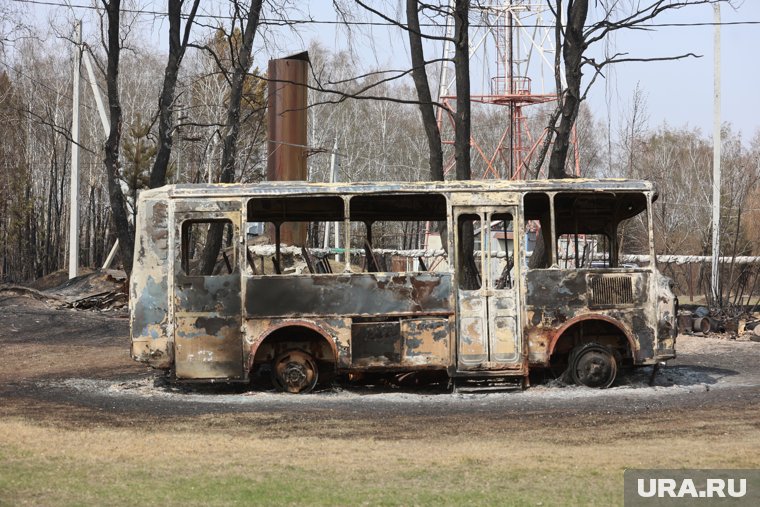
[[65, 481]]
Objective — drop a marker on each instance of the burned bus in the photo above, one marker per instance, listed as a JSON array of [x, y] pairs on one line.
[[479, 280]]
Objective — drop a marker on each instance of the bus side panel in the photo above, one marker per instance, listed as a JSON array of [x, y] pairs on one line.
[[149, 323], [556, 296], [412, 342], [396, 321], [361, 294]]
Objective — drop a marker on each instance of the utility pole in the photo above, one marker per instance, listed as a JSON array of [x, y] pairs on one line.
[[96, 93], [74, 186], [716, 292], [79, 57], [510, 56]]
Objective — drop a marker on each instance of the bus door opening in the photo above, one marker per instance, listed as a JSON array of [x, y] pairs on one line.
[[486, 245]]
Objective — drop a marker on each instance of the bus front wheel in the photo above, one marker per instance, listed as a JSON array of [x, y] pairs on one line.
[[295, 371], [593, 365]]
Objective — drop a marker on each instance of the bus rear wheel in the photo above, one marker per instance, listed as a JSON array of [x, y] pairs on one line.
[[295, 371], [593, 365]]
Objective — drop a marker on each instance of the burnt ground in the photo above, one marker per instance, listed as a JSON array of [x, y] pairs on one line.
[[71, 368]]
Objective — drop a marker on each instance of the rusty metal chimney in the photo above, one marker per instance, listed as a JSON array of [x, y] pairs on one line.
[[287, 117], [286, 105]]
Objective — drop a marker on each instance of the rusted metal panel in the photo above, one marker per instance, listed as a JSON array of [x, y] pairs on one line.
[[401, 344], [207, 347], [502, 310], [149, 322], [376, 344], [472, 329], [218, 294], [667, 310], [207, 327], [426, 342], [205, 206], [489, 196], [570, 287], [555, 297], [349, 294]]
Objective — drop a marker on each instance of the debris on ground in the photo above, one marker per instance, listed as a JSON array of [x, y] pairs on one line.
[[752, 330], [732, 323], [13, 291], [104, 301], [101, 290]]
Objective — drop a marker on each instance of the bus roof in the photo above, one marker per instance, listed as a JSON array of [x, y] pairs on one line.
[[274, 188]]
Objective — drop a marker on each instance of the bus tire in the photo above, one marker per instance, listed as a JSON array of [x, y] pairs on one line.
[[295, 371], [593, 365]]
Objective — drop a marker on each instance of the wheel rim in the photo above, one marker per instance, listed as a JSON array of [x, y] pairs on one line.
[[594, 366], [295, 372]]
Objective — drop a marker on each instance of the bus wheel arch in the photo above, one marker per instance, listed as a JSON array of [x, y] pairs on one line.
[[298, 354], [590, 349]]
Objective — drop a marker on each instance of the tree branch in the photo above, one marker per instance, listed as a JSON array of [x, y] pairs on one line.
[[641, 15], [398, 24]]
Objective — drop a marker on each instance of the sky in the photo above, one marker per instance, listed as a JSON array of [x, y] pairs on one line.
[[679, 93]]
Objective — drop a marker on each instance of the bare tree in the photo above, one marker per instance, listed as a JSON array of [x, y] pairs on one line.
[[418, 71], [241, 63], [377, 142], [578, 37], [632, 131], [573, 41], [421, 84], [462, 123], [12, 26], [177, 49], [124, 231]]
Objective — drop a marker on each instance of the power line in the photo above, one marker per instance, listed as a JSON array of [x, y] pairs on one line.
[[311, 21]]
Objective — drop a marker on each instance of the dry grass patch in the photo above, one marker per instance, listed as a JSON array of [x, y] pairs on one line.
[[45, 465]]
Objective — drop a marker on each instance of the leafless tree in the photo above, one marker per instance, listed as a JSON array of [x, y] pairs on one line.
[[177, 47], [573, 41], [421, 84], [248, 18], [577, 37], [124, 230]]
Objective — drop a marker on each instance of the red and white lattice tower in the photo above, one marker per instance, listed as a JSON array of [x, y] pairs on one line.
[[511, 67]]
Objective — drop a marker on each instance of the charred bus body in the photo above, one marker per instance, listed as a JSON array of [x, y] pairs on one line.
[[278, 298]]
